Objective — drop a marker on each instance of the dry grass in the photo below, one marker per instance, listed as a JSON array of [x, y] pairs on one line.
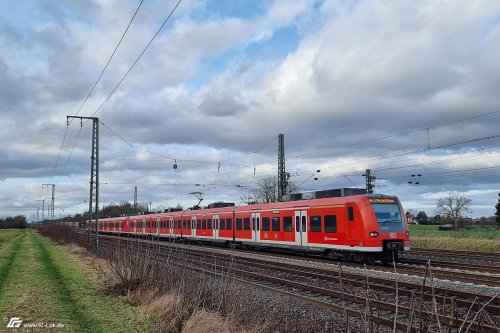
[[162, 313], [206, 322]]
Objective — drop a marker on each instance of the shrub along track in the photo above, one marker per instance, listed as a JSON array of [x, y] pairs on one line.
[[41, 283]]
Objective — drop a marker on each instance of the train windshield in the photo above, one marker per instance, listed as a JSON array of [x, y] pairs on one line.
[[389, 217]]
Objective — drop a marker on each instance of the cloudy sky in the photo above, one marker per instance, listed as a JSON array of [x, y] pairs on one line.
[[399, 87]]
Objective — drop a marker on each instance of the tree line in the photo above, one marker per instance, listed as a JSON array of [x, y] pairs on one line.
[[13, 222]]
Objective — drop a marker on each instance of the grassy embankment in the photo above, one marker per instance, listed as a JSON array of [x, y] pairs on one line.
[[429, 236], [44, 283]]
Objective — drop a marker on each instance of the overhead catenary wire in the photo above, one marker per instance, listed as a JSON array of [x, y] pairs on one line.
[[397, 134], [110, 58], [90, 93], [138, 58]]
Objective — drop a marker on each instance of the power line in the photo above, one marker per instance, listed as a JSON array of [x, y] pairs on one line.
[[111, 57], [90, 93], [138, 58], [398, 134]]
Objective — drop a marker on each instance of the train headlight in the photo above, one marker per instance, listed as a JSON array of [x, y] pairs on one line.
[[407, 234], [373, 234]]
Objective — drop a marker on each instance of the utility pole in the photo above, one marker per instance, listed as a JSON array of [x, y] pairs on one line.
[[370, 181], [43, 209], [135, 199], [282, 176], [51, 206], [94, 177]]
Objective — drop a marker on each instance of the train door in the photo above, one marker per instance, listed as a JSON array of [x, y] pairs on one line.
[[135, 226], [171, 226], [158, 227], [350, 225], [193, 226], [216, 226], [256, 227], [301, 227]]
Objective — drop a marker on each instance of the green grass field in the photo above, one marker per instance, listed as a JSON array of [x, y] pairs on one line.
[[429, 236], [44, 283], [433, 231], [7, 234]]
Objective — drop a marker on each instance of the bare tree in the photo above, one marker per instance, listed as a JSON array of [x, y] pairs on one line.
[[452, 205], [267, 191]]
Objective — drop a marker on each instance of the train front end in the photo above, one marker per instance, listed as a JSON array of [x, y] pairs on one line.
[[392, 226]]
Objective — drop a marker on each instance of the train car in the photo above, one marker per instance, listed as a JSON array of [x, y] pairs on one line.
[[358, 227]]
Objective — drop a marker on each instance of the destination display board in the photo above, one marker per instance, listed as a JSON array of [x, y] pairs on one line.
[[383, 200]]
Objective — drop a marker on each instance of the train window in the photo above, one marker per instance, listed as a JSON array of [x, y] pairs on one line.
[[253, 223], [258, 223], [304, 224], [330, 223], [198, 224], [209, 223], [222, 224], [204, 223], [297, 223], [229, 224], [239, 224], [246, 223], [350, 214], [287, 224], [266, 223], [315, 223], [275, 226]]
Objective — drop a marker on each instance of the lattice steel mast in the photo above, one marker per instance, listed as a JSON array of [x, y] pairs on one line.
[[282, 181], [51, 205], [94, 177]]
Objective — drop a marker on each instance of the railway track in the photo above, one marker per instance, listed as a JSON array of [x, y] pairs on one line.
[[486, 274], [319, 286], [460, 257]]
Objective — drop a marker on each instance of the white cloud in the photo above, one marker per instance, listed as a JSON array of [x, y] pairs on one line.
[[360, 70]]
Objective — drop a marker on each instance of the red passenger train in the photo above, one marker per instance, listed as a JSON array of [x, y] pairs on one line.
[[359, 227]]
